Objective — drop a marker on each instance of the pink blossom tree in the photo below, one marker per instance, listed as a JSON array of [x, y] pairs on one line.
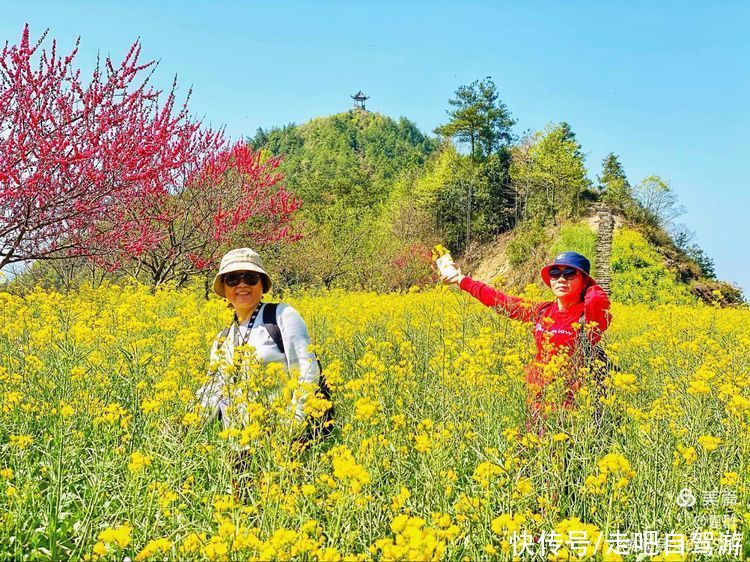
[[226, 197], [107, 171]]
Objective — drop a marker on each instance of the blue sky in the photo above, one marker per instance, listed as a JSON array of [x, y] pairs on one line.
[[665, 85]]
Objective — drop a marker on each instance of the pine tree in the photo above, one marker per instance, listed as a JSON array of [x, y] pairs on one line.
[[612, 171], [484, 122], [613, 184], [479, 119]]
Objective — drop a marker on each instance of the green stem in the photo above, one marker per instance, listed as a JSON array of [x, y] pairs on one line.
[[54, 516], [609, 514]]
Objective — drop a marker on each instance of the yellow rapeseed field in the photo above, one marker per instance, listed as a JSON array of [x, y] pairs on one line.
[[104, 454]]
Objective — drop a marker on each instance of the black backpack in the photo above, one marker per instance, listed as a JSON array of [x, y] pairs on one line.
[[318, 427]]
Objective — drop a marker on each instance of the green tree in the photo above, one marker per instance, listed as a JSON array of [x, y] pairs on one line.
[[548, 173], [612, 171], [332, 251], [354, 157], [658, 202], [614, 187], [443, 190], [683, 239], [479, 118], [482, 120]]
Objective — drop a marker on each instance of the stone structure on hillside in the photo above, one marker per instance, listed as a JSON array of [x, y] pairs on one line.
[[604, 245]]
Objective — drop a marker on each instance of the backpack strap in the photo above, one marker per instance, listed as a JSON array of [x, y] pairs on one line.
[[223, 336], [271, 325], [323, 426], [542, 309], [269, 322]]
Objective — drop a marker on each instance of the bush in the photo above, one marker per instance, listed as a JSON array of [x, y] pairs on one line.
[[719, 293], [576, 238], [528, 240]]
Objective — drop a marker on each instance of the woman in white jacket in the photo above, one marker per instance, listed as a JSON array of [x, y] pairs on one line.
[[279, 337]]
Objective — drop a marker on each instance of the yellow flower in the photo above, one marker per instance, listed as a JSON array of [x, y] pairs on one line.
[[412, 541], [613, 468], [346, 469], [67, 411], [398, 523], [625, 381], [422, 443], [399, 421], [486, 472], [365, 409], [229, 433], [507, 523], [216, 549], [21, 441], [729, 479], [156, 546], [709, 443], [149, 406], [11, 400], [190, 418], [510, 433], [193, 543], [398, 501], [138, 461], [330, 554], [698, 387], [688, 453], [100, 549], [119, 536], [524, 486]]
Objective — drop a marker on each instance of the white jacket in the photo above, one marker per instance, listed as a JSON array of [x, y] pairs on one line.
[[216, 394]]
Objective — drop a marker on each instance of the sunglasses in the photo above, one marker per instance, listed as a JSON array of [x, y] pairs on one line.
[[233, 279], [569, 273]]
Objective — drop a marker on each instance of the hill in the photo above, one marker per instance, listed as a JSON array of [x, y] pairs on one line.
[[378, 193], [642, 271], [354, 157]]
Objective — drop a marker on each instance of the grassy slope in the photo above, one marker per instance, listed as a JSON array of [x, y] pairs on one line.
[[639, 273]]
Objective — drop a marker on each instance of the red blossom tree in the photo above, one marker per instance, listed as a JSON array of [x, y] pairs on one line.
[[67, 151], [105, 170], [226, 197]]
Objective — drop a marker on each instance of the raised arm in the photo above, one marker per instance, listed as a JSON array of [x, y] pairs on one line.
[[516, 308]]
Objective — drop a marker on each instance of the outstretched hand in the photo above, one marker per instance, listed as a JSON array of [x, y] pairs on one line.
[[449, 271]]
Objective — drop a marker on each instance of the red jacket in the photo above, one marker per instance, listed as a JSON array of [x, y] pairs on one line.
[[550, 323]]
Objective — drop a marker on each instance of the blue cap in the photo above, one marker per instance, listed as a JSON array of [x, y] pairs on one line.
[[569, 259]]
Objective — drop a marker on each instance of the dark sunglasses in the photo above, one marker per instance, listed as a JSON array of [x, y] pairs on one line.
[[569, 273], [233, 279]]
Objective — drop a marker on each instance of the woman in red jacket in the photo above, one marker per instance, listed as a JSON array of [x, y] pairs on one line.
[[556, 324]]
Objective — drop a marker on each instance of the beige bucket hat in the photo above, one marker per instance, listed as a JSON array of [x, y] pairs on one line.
[[240, 259]]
